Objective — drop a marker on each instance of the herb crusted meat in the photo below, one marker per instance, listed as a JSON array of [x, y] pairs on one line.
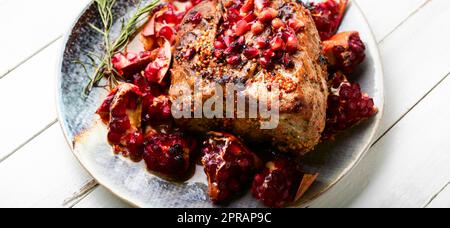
[[256, 43]]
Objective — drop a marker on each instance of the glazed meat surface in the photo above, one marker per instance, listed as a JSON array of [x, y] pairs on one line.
[[213, 46]]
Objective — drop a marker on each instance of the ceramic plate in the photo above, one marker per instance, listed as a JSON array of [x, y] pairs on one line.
[[131, 182]]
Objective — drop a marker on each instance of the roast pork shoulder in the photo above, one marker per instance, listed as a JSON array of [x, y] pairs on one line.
[[255, 43]]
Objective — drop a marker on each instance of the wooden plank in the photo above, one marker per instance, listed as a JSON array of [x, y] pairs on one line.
[[410, 164], [385, 15], [101, 198], [44, 173], [415, 58], [31, 25], [441, 199], [28, 98]]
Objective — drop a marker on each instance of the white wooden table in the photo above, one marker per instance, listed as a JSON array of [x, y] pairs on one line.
[[407, 166]]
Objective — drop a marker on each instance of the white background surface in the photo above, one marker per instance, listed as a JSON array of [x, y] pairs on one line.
[[407, 166]]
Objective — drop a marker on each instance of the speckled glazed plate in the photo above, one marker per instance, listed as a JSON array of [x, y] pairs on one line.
[[131, 182]]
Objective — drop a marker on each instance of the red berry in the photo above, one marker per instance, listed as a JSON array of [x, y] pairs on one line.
[[251, 52], [167, 32], [268, 54], [250, 18], [228, 40], [152, 73], [219, 45], [233, 60], [277, 43], [296, 25], [257, 28], [261, 42], [277, 23], [233, 16], [242, 27], [228, 51], [248, 6], [292, 43], [268, 15]]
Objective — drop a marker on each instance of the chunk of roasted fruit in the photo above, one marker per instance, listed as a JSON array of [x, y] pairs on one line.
[[130, 63], [147, 88], [156, 71], [347, 106], [278, 184], [169, 154], [229, 165], [156, 106], [164, 23], [156, 109], [344, 51], [121, 111], [328, 15]]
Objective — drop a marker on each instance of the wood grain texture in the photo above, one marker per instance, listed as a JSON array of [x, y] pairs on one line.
[[414, 58], [44, 173], [32, 25], [410, 164], [385, 15], [441, 199], [101, 198], [33, 107]]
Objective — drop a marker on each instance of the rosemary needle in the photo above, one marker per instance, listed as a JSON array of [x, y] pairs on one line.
[[105, 69]]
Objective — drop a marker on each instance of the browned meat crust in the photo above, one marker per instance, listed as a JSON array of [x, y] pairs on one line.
[[303, 90]]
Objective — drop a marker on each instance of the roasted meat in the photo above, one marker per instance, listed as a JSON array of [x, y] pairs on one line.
[[257, 44]]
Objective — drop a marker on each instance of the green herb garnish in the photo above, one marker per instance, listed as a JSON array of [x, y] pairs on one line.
[[105, 69]]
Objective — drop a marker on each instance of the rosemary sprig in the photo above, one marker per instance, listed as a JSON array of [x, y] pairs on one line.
[[105, 69]]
